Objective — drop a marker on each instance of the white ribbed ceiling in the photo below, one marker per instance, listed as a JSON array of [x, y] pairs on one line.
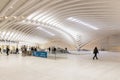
[[42, 20]]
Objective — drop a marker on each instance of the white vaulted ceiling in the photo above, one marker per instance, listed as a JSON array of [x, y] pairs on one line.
[[42, 20]]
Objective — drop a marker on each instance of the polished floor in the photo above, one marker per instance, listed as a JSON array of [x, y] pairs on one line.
[[78, 66]]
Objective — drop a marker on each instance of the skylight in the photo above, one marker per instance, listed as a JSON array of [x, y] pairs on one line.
[[83, 23], [40, 28]]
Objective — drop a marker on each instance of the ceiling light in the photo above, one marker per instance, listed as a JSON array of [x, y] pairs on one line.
[[11, 7], [14, 17], [6, 17], [83, 23], [40, 28], [32, 15], [23, 21], [22, 17]]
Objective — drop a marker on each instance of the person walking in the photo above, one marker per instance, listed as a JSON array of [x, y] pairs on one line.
[[35, 49], [0, 50], [66, 51], [32, 49], [49, 49], [7, 50], [17, 51], [54, 51], [95, 52]]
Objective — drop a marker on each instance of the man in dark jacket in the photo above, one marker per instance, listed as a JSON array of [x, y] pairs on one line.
[[49, 49], [17, 51], [95, 52], [7, 50], [0, 50]]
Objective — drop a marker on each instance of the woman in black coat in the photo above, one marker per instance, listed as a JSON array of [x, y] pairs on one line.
[[95, 52]]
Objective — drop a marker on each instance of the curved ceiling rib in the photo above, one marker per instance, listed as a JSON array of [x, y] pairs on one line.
[[7, 7]]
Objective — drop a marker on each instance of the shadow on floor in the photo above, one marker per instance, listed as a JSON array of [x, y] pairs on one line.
[[57, 57]]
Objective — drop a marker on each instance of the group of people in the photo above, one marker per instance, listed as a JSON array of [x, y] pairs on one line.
[[52, 49], [33, 49], [7, 50], [95, 51]]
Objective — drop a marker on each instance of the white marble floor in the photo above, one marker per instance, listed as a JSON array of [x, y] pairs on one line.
[[65, 67]]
